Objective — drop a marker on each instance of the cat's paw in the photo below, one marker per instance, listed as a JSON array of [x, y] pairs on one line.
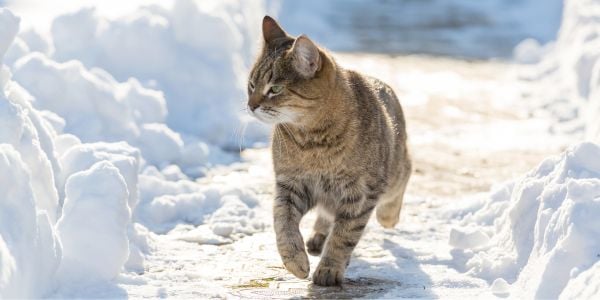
[[388, 218], [315, 244], [327, 275], [297, 264]]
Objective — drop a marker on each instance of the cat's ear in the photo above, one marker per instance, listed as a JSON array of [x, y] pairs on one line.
[[306, 57], [272, 30]]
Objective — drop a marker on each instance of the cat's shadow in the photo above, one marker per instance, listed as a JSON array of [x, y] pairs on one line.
[[402, 277]]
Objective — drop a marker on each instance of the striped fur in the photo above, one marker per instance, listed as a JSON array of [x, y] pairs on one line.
[[339, 146]]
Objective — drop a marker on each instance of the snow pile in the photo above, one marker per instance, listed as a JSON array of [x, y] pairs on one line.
[[95, 107], [93, 226], [539, 233], [225, 209], [569, 76], [175, 50], [29, 249], [39, 236]]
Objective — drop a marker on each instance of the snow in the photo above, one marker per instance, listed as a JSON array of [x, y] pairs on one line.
[[584, 286], [29, 249], [93, 225], [543, 227], [10, 27], [203, 78]]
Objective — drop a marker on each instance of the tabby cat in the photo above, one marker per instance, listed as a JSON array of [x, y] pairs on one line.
[[339, 146]]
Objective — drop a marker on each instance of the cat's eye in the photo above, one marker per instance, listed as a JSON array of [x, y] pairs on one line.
[[251, 86], [276, 89]]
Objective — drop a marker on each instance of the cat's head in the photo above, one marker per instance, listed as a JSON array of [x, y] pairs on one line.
[[283, 86]]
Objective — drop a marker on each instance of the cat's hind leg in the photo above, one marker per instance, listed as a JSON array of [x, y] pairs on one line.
[[320, 232], [388, 209]]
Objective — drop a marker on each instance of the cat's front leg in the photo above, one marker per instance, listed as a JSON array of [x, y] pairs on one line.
[[291, 203], [350, 221]]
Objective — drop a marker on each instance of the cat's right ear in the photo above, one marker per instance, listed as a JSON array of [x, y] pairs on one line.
[[271, 30], [306, 56]]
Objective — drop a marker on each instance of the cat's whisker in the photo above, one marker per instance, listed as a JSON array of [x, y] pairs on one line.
[[242, 135]]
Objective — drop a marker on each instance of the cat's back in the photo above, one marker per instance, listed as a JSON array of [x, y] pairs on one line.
[[377, 104]]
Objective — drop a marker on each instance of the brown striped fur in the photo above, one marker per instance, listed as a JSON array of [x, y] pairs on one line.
[[339, 146]]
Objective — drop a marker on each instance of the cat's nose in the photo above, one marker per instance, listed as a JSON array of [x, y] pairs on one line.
[[253, 106]]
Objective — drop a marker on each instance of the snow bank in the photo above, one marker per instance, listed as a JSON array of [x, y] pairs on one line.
[[540, 233], [39, 168], [30, 252], [29, 249], [569, 76], [175, 50]]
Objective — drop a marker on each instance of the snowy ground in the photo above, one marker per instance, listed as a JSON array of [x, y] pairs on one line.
[[470, 101]]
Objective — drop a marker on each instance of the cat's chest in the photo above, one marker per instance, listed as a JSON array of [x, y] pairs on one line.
[[309, 159]]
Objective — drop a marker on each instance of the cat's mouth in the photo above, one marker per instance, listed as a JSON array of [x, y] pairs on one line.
[[274, 116]]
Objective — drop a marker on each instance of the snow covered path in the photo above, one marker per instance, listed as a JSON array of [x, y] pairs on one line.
[[451, 107]]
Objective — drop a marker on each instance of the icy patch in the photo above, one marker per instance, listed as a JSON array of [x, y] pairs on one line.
[[544, 231]]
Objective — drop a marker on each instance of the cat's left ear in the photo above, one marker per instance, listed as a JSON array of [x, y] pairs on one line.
[[306, 56]]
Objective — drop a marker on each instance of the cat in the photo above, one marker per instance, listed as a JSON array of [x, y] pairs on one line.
[[338, 146]]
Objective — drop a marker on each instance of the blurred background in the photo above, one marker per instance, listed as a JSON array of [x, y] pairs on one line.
[[462, 28]]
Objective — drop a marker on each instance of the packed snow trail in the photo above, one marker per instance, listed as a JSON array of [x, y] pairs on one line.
[[468, 130]]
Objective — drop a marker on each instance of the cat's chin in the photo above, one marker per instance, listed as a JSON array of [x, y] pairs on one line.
[[267, 119], [279, 118]]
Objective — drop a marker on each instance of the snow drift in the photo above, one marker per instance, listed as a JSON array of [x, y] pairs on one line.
[[540, 233]]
